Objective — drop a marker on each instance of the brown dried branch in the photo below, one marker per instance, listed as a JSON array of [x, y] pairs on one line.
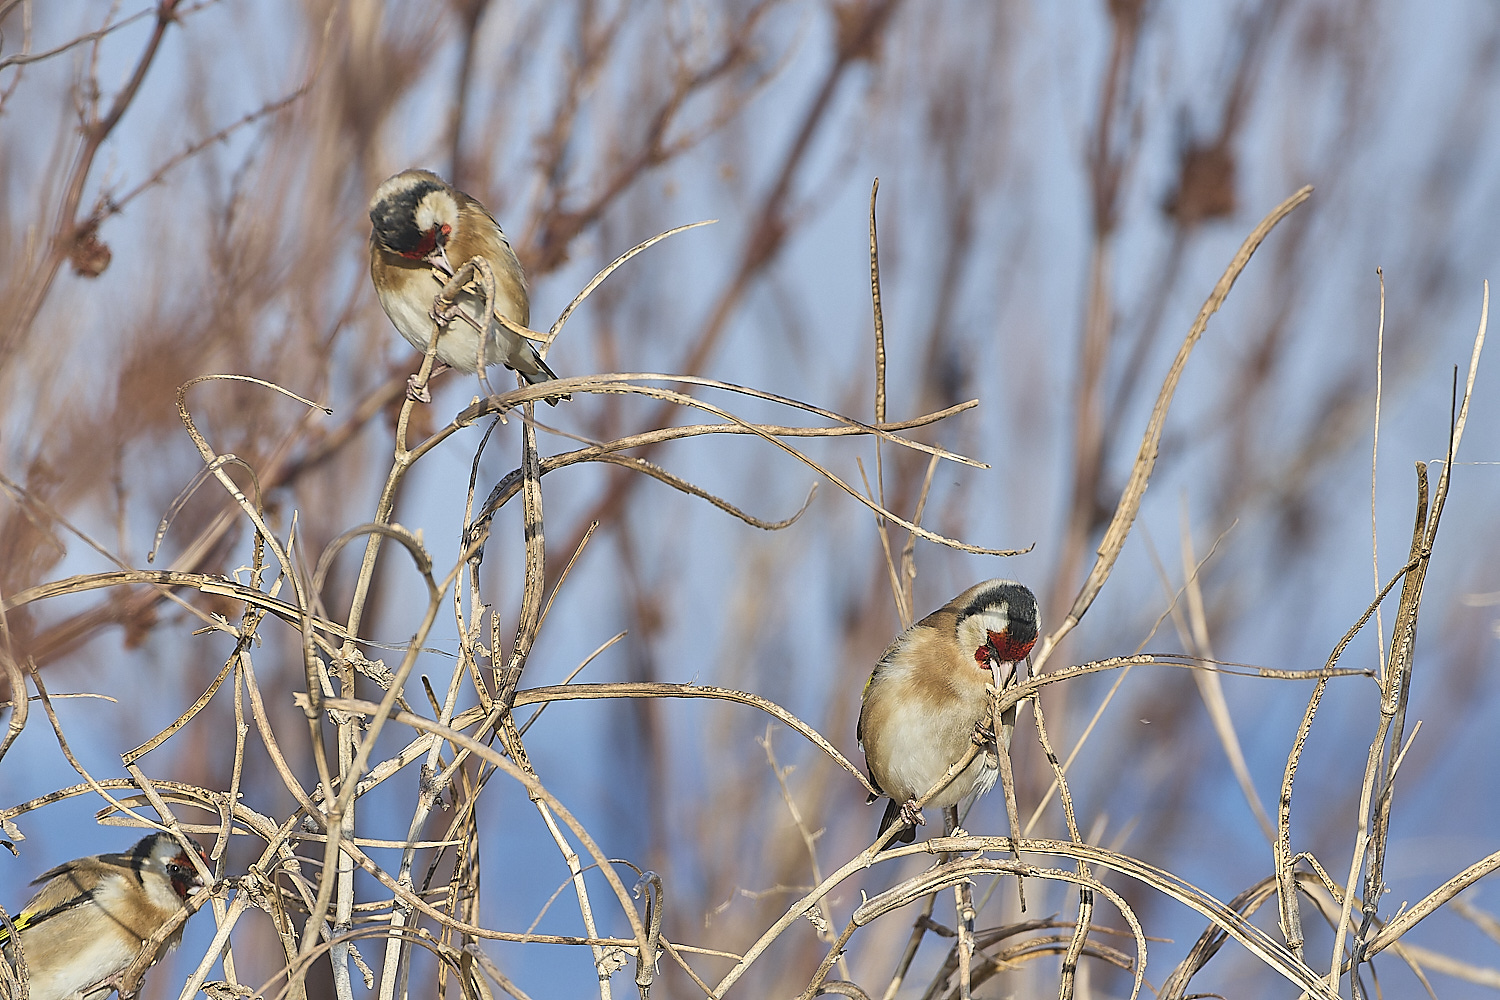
[[1140, 474]]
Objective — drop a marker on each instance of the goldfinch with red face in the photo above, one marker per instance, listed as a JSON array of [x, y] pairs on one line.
[[927, 695], [87, 924], [422, 230]]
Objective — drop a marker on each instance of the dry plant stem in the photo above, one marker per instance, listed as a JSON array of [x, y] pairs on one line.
[[15, 679], [1085, 893], [918, 931], [533, 786], [616, 384], [1374, 467], [1394, 688], [1002, 723], [510, 484], [1405, 921], [903, 609], [1290, 921], [281, 553], [1356, 862], [879, 318], [397, 950], [844, 989], [957, 872], [1233, 924], [359, 751], [1145, 462], [345, 819], [432, 783], [1397, 687], [203, 583], [1210, 689], [221, 939], [622, 383], [598, 279], [221, 845], [534, 581], [816, 985], [62, 744], [1251, 937], [963, 898], [1212, 938], [585, 907], [534, 584], [862, 860], [809, 839], [570, 692]]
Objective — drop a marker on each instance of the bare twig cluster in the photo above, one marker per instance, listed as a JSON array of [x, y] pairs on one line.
[[380, 813]]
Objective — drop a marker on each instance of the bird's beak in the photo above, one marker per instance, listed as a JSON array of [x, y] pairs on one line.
[[1003, 672], [439, 259]]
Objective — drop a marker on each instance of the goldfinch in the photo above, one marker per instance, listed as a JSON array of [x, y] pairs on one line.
[[927, 695], [87, 924], [422, 230]]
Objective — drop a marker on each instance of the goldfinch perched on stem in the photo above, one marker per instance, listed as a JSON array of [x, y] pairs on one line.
[[927, 695], [87, 924], [423, 230]]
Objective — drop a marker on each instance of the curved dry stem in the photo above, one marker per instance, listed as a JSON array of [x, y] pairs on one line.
[[1145, 462], [598, 279], [204, 583], [510, 483], [623, 383], [617, 385], [180, 501], [954, 873]]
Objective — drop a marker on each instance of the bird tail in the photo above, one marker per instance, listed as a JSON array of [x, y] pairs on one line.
[[891, 818], [543, 374]]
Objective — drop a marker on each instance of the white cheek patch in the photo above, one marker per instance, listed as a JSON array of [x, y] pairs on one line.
[[996, 620], [435, 210]]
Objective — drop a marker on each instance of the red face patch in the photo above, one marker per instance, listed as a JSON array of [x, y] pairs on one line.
[[1009, 649], [424, 246], [429, 242]]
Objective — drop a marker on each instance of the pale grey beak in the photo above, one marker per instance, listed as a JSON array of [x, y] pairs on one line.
[[1004, 672], [439, 258]]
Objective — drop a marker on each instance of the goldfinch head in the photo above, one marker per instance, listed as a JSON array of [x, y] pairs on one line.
[[161, 854], [997, 623], [413, 214]]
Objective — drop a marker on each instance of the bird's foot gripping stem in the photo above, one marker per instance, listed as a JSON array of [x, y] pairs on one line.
[[416, 391]]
